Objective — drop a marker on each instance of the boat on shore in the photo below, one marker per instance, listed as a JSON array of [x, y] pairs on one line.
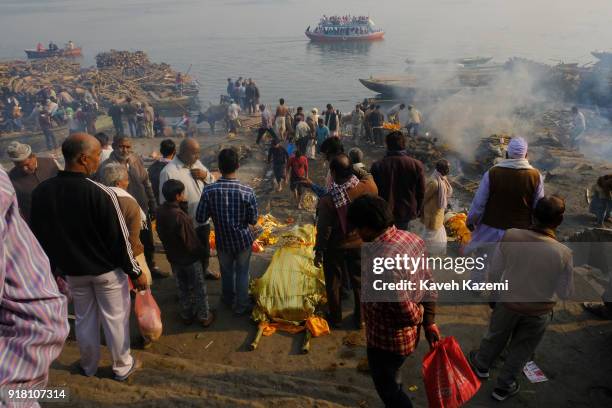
[[465, 62], [347, 28], [62, 53], [405, 86], [603, 56]]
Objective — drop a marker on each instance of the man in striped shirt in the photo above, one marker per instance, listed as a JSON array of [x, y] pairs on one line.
[[392, 326], [233, 209], [33, 313], [81, 228]]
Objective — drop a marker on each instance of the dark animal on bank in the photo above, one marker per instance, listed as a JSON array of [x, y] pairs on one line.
[[214, 113]]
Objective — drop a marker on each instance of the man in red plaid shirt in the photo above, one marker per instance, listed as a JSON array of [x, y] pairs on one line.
[[392, 327]]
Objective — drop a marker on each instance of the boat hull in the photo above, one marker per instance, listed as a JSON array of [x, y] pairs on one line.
[[603, 56], [317, 37], [34, 54], [405, 88]]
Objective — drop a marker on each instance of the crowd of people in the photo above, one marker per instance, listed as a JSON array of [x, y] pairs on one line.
[[141, 118], [244, 93], [46, 110], [307, 131], [344, 25], [343, 20], [94, 222]]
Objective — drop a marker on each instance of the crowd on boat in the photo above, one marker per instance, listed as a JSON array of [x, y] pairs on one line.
[[53, 47], [344, 26], [346, 20]]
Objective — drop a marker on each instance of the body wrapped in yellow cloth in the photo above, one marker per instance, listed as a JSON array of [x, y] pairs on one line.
[[290, 292]]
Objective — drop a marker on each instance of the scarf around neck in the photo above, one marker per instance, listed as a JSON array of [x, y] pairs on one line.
[[445, 190], [517, 164], [339, 192], [341, 199]]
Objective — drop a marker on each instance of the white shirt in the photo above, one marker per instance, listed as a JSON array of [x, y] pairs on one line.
[[232, 111], [414, 116], [302, 130], [177, 170], [105, 153]]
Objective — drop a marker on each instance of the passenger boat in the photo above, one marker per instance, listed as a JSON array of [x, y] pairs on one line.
[[62, 52], [346, 28]]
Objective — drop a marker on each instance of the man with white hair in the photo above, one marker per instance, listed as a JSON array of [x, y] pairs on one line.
[[506, 197], [116, 177], [28, 173], [140, 188]]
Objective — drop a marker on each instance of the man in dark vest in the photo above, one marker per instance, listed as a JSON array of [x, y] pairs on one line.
[[28, 173], [505, 199]]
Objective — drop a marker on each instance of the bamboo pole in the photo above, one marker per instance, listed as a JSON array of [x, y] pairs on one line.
[[306, 343], [255, 343]]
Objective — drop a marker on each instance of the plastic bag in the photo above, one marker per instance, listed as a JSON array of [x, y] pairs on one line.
[[449, 379], [148, 315]]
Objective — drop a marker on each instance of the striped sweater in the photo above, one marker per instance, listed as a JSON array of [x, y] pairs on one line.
[[33, 314]]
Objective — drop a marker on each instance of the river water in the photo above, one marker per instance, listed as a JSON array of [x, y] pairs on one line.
[[264, 39]]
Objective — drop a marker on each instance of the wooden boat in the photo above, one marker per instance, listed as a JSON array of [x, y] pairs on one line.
[[473, 61], [63, 53], [405, 86], [466, 62], [171, 103], [336, 29], [603, 56]]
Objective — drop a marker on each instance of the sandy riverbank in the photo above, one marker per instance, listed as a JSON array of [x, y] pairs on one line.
[[191, 366]]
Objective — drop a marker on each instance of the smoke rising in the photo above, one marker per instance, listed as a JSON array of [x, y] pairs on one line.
[[463, 118]]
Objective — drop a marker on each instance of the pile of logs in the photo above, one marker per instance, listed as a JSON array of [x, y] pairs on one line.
[[491, 149], [424, 149], [121, 59], [119, 74], [31, 77]]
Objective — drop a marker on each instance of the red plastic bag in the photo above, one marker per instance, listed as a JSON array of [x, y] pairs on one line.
[[148, 315], [448, 377]]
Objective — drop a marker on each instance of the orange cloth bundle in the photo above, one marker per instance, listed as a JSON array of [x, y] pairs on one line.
[[391, 126], [456, 226]]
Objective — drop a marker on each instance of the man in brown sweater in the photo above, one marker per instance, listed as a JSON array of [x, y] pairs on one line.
[[115, 176], [400, 180], [537, 267], [183, 248], [337, 245], [28, 173], [140, 188]]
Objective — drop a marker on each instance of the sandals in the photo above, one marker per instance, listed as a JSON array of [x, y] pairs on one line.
[[136, 365]]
